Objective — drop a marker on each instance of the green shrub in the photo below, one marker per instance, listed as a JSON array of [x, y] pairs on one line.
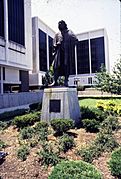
[[41, 129], [2, 144], [22, 152], [26, 120], [115, 163], [92, 113], [48, 156], [33, 143], [62, 125], [35, 106], [26, 133], [104, 142], [91, 125], [3, 125], [111, 123], [75, 170], [66, 142], [10, 114]]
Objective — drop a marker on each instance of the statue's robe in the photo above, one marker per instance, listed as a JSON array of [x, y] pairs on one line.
[[64, 52]]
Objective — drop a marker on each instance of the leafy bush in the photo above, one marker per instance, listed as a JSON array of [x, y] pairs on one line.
[[2, 144], [35, 106], [3, 125], [66, 142], [48, 156], [111, 123], [115, 163], [91, 125], [75, 170], [104, 142], [11, 114], [26, 133], [62, 125], [22, 152], [92, 113], [41, 129], [26, 120]]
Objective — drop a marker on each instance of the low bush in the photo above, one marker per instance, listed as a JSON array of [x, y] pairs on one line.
[[41, 129], [91, 125], [104, 142], [3, 125], [115, 163], [92, 113], [111, 123], [26, 120], [66, 142], [22, 152], [10, 114], [61, 125], [2, 144], [35, 106], [75, 170], [26, 133], [48, 156]]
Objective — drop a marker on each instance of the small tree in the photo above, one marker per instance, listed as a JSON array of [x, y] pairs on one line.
[[109, 82]]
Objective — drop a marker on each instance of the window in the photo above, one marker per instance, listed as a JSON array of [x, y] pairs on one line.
[[16, 21], [42, 51], [1, 18], [90, 80], [3, 73], [97, 53], [83, 57], [50, 50]]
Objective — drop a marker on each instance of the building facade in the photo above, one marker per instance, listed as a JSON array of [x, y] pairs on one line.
[[90, 53], [15, 45], [42, 43]]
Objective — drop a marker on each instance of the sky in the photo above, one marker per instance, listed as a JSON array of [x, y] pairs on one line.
[[82, 16]]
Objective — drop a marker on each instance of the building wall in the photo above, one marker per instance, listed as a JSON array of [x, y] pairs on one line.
[[38, 28], [14, 55]]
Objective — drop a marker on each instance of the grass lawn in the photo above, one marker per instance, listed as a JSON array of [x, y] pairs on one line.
[[91, 102]]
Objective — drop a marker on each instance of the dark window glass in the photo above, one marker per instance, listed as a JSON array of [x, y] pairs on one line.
[[42, 51], [83, 57], [90, 80], [73, 70], [16, 21], [3, 73], [1, 18], [50, 50], [97, 53]]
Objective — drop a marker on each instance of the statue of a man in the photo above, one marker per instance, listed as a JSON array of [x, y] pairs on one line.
[[63, 52]]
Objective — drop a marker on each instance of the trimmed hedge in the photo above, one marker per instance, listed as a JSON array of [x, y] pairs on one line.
[[91, 125], [115, 163], [61, 125], [75, 170], [26, 120]]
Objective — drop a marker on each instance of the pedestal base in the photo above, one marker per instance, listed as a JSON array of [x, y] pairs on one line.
[[60, 103]]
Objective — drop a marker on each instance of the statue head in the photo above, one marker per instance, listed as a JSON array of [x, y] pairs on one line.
[[62, 25]]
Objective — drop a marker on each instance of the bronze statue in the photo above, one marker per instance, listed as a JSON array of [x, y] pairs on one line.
[[63, 53]]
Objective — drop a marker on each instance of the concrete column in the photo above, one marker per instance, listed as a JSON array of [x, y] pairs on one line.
[[6, 29]]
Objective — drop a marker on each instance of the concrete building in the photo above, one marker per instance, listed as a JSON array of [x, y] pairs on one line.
[[90, 52], [42, 42], [15, 45]]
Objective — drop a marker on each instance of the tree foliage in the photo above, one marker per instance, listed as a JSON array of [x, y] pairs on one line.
[[107, 82]]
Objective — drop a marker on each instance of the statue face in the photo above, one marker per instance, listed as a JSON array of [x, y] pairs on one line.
[[61, 26]]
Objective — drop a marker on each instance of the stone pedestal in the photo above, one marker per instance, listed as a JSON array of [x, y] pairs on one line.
[[60, 102]]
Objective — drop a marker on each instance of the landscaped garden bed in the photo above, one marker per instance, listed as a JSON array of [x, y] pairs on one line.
[[35, 149]]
